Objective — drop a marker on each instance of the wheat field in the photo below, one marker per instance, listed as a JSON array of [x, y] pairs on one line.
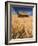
[[21, 27]]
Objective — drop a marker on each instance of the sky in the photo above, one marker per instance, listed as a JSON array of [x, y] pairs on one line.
[[26, 9]]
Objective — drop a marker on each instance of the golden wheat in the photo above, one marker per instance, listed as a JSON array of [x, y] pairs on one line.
[[21, 27]]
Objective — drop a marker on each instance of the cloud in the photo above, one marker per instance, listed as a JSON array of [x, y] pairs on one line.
[[30, 13]]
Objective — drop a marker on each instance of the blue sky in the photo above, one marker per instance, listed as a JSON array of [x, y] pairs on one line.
[[26, 9]]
